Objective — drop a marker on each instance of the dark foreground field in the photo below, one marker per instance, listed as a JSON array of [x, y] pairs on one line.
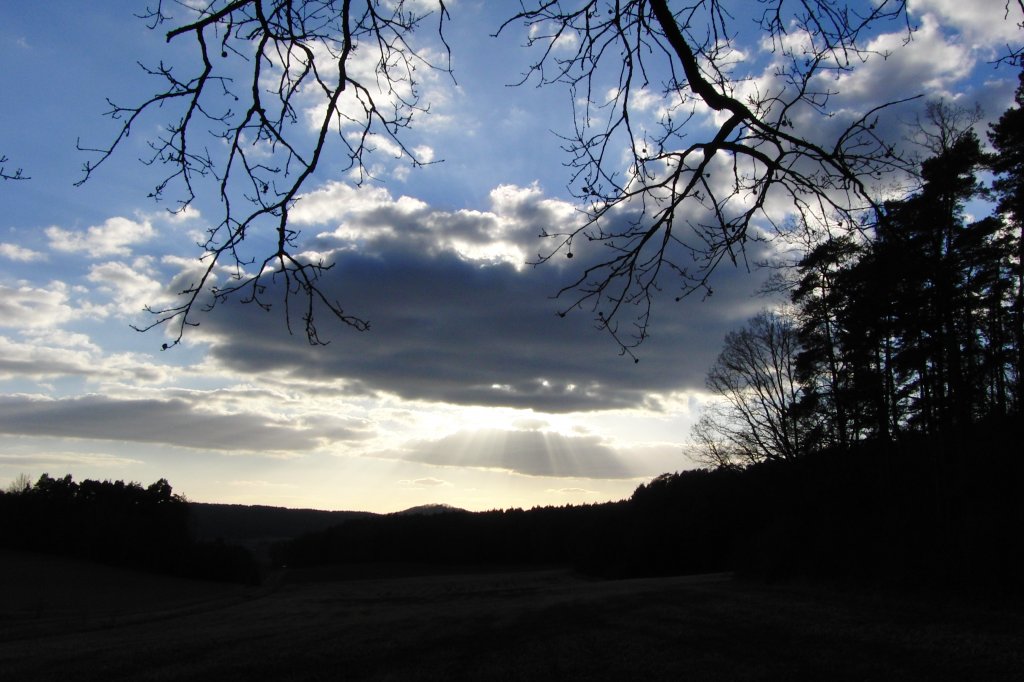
[[62, 620]]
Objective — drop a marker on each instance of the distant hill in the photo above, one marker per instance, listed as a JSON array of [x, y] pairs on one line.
[[248, 523], [428, 510]]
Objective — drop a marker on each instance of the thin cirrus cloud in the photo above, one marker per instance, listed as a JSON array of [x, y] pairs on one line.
[[63, 459]]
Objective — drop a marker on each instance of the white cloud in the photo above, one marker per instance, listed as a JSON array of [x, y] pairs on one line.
[[37, 307], [187, 214], [113, 238], [363, 66], [981, 22], [335, 201], [376, 143], [130, 285], [566, 42], [48, 354], [369, 216], [427, 482], [424, 153], [571, 491], [930, 63], [20, 253]]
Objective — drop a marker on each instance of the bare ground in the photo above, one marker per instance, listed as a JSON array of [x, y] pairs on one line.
[[64, 620]]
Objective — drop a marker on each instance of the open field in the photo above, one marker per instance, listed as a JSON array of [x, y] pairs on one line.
[[64, 620]]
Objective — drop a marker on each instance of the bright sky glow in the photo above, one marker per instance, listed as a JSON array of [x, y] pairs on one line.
[[468, 390]]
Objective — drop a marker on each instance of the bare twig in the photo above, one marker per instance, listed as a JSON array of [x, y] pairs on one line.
[[262, 66], [646, 212]]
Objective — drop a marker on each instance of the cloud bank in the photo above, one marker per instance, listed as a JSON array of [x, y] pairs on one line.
[[450, 327]]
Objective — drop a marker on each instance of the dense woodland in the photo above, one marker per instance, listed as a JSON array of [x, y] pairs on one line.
[[927, 512], [912, 325], [117, 523]]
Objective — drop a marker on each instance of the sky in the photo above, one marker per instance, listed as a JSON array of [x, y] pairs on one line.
[[469, 389]]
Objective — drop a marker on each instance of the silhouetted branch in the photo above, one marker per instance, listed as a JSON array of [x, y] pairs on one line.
[[678, 208], [16, 174], [276, 82]]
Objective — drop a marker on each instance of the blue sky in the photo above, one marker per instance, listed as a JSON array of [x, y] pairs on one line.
[[468, 389]]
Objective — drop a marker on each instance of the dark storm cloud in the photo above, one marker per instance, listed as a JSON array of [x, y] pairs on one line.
[[444, 329], [532, 453], [174, 422], [450, 330]]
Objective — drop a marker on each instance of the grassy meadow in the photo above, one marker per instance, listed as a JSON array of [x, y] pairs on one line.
[[62, 619]]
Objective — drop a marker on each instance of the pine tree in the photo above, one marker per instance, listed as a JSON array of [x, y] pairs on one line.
[[1007, 138]]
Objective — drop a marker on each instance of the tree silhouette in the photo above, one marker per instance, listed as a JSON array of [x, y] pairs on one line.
[[913, 330], [1007, 137], [823, 365], [758, 416], [117, 523], [677, 208], [943, 286], [910, 327]]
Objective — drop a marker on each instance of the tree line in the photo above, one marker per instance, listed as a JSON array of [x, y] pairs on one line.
[[912, 326], [917, 514], [117, 523]]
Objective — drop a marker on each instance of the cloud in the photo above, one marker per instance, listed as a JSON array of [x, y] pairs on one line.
[[43, 355], [447, 327], [174, 421], [930, 63], [532, 453], [428, 482], [934, 61], [37, 307], [39, 360], [129, 285], [20, 253], [571, 491], [62, 459], [447, 330], [113, 238], [370, 219], [981, 22]]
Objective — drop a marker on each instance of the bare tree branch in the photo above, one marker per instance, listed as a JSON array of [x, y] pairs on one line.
[[666, 198], [16, 174], [262, 66], [678, 208]]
